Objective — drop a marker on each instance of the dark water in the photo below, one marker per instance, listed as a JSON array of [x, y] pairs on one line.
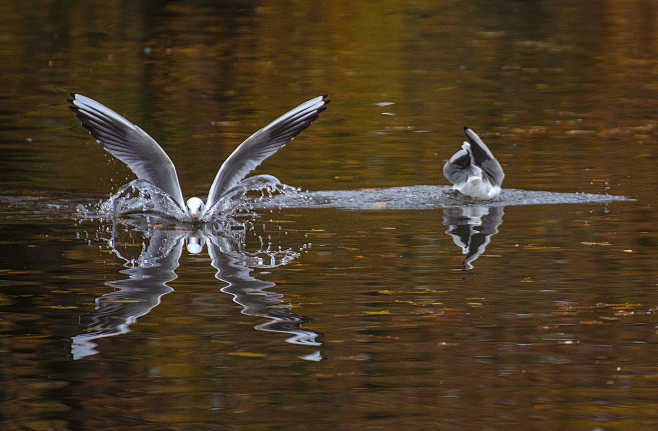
[[507, 317]]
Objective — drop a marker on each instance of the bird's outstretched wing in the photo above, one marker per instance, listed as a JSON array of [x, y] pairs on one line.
[[130, 144], [262, 145]]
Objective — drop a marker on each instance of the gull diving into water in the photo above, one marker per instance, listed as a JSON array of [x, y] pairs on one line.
[[142, 154], [473, 170]]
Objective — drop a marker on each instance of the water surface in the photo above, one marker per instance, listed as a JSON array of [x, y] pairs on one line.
[[364, 316]]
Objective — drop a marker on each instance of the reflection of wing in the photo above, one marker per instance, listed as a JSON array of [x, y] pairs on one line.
[[471, 228], [130, 144], [136, 295], [262, 144], [250, 292]]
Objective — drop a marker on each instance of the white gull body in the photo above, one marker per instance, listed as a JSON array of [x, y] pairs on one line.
[[146, 158], [473, 170]]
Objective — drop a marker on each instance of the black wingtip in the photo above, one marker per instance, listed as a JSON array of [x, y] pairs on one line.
[[325, 102], [72, 106]]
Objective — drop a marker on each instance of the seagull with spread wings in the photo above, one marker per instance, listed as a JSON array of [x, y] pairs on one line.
[[142, 154]]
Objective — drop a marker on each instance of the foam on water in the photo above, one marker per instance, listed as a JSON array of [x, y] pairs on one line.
[[423, 197], [265, 191]]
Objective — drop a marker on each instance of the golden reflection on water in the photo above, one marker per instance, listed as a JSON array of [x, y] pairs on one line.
[[553, 328]]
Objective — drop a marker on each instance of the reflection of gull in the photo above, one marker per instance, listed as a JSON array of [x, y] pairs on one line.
[[137, 295], [473, 170], [142, 154], [149, 274], [471, 228], [234, 268]]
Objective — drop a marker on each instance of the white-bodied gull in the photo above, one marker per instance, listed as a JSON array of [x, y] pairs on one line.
[[473, 170], [142, 154]]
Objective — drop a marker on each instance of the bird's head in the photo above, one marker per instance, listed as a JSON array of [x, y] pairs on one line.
[[195, 207]]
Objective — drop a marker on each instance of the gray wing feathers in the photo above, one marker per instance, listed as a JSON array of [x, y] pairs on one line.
[[456, 169], [128, 143], [484, 158], [262, 144]]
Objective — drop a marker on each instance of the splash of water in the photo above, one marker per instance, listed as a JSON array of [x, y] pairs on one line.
[[142, 197], [242, 198]]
